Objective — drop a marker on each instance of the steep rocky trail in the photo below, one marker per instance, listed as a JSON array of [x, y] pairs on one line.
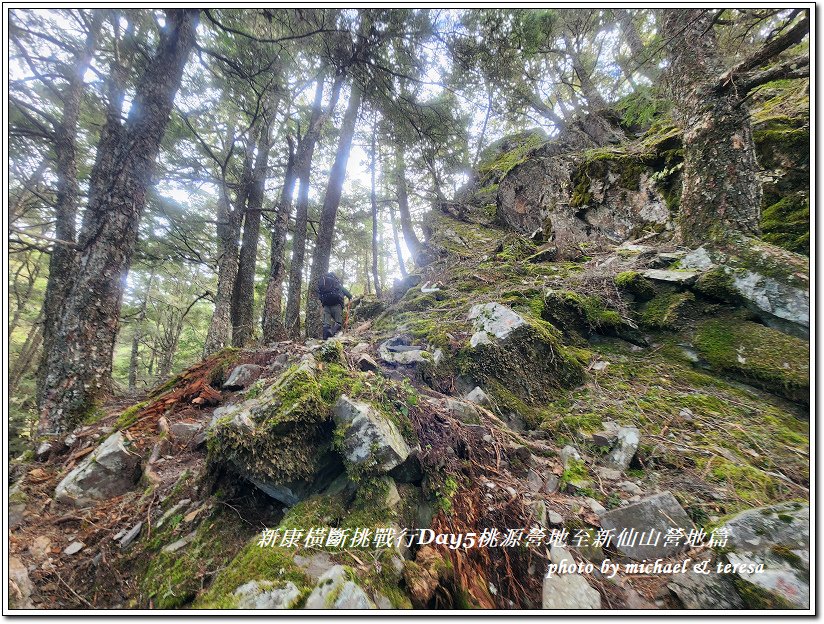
[[546, 382]]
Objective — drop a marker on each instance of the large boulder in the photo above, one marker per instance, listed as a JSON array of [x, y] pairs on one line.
[[110, 470], [579, 195], [777, 538], [772, 282], [370, 441], [648, 519], [280, 440], [505, 341]]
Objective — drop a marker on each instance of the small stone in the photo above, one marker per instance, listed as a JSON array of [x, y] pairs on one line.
[[540, 511], [554, 518], [366, 363], [686, 414], [569, 453], [604, 439], [40, 546], [74, 547], [131, 536], [242, 376], [630, 488], [511, 490], [624, 449], [487, 438], [552, 484], [534, 481], [596, 507], [184, 541], [42, 450], [184, 431], [660, 513], [609, 474], [478, 396]]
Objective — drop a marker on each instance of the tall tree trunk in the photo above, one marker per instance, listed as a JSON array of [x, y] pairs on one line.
[[374, 200], [272, 324], [329, 212], [413, 244], [228, 231], [63, 255], [721, 192], [638, 62], [243, 296], [303, 167], [80, 362], [398, 250], [588, 90], [138, 336]]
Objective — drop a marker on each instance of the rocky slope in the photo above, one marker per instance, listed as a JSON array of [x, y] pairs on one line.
[[559, 365]]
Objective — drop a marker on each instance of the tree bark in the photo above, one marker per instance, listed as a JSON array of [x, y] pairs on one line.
[[409, 236], [272, 323], [80, 362], [229, 219], [303, 167], [63, 256], [373, 198], [398, 250], [243, 296], [329, 212], [721, 192]]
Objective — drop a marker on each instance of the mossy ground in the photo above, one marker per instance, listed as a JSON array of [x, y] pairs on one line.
[[758, 355], [765, 436]]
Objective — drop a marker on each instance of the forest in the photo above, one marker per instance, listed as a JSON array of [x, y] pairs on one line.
[[577, 245]]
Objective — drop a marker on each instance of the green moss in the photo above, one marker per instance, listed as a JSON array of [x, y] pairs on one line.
[[666, 310], [492, 169], [317, 511], [370, 509], [575, 473], [758, 355], [129, 416], [746, 483], [787, 223], [594, 310], [173, 580], [331, 351], [252, 563], [718, 284], [290, 426], [636, 284]]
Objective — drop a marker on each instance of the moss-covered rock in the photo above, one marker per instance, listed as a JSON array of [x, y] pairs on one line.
[[635, 283], [667, 310], [758, 355], [281, 440], [523, 343]]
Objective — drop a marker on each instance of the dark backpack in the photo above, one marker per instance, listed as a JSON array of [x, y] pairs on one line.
[[330, 290]]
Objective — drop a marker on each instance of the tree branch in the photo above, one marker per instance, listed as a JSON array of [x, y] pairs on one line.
[[769, 50]]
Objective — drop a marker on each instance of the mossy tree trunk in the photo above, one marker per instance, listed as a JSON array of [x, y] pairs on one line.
[[721, 191], [272, 323], [243, 294], [80, 361], [64, 254]]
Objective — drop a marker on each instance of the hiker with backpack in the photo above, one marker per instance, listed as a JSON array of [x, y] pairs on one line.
[[331, 293]]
